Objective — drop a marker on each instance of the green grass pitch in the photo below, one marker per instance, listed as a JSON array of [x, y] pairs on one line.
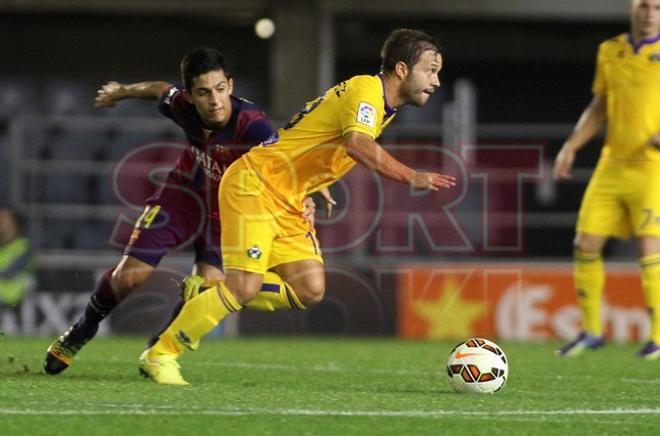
[[334, 386]]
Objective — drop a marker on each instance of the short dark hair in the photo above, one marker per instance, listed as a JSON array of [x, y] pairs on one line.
[[200, 61], [405, 45]]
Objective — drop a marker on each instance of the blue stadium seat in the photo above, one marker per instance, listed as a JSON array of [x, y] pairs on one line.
[[69, 145], [16, 97], [64, 143], [68, 98], [65, 188], [133, 108], [57, 234], [120, 144], [92, 235], [4, 170]]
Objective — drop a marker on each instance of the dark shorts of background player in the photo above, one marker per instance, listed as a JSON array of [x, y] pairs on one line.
[[174, 220]]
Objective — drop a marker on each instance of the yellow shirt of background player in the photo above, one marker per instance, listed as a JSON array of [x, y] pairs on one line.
[[309, 153], [631, 82]]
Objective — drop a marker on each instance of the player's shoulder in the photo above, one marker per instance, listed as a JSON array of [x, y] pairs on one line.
[[245, 105], [173, 91], [614, 44], [174, 106], [364, 81], [173, 97], [250, 119], [362, 86]]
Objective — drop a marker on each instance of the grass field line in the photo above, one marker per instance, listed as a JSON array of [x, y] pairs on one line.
[[635, 380], [332, 367], [151, 410], [326, 367], [625, 380]]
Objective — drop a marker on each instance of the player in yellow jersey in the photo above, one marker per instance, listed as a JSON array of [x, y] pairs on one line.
[[261, 194], [623, 196]]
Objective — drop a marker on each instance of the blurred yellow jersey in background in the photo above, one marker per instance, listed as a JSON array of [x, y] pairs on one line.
[[310, 153], [629, 76]]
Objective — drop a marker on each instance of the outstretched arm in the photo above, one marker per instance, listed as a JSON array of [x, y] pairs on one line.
[[112, 92], [370, 154], [590, 123]]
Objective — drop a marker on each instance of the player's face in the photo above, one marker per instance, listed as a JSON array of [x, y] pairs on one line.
[[645, 17], [210, 95], [422, 80]]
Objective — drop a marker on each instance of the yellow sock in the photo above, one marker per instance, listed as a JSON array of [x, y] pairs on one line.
[[198, 317], [275, 294], [589, 275], [651, 285]]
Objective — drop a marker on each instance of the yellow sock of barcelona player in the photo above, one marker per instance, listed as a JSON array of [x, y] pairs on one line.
[[197, 317], [589, 275], [651, 285], [275, 294]]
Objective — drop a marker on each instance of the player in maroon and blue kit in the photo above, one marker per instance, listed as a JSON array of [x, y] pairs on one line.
[[219, 128]]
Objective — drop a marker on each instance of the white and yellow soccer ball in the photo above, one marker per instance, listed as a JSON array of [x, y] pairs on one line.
[[477, 365]]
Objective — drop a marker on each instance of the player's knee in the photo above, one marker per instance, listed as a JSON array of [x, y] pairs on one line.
[[586, 244], [312, 293], [243, 286], [649, 246], [243, 294], [126, 282]]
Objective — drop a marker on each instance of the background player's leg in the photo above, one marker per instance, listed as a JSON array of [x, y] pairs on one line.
[[589, 277], [113, 286], [649, 248], [129, 275]]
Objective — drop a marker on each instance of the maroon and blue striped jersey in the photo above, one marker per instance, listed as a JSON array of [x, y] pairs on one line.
[[202, 163]]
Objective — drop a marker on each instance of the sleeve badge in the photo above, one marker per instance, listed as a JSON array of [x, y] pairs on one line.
[[366, 114]]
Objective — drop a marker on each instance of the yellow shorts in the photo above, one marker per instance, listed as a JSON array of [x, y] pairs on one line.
[[259, 231], [622, 199]]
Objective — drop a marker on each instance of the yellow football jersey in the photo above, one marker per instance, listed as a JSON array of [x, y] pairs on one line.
[[630, 78], [309, 153]]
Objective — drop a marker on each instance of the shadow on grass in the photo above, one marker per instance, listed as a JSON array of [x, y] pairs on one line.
[[17, 372]]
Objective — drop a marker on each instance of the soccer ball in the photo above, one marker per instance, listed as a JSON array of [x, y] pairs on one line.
[[477, 365]]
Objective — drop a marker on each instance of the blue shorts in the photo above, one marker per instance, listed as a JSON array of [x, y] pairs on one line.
[[174, 220]]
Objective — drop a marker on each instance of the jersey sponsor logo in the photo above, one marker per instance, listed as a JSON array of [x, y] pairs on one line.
[[654, 57], [211, 168], [366, 114]]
